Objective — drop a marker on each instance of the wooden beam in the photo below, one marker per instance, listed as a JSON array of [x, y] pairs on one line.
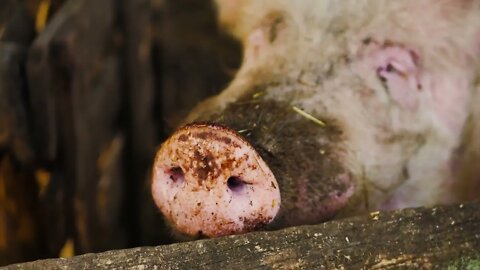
[[445, 237]]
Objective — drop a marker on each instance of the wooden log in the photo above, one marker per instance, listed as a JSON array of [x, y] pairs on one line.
[[446, 237]]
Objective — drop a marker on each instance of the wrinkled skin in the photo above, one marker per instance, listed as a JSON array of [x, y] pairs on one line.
[[372, 105]]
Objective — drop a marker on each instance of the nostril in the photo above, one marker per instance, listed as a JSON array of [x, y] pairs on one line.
[[177, 175], [235, 184]]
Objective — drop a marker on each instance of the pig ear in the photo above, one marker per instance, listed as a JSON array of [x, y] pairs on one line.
[[397, 69]]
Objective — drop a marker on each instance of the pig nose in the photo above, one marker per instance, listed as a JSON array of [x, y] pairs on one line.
[[209, 181]]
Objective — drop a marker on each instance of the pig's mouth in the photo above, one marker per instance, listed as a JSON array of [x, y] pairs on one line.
[[209, 181]]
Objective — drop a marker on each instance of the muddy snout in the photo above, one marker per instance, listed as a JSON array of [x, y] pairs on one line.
[[209, 181]]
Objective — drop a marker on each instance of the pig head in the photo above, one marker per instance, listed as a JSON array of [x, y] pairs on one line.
[[339, 107]]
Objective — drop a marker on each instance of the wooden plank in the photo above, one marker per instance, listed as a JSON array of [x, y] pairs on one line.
[[74, 78], [20, 226], [143, 125], [17, 21], [445, 237], [14, 121], [20, 229]]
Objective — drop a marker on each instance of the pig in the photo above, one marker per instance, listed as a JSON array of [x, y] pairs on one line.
[[338, 108]]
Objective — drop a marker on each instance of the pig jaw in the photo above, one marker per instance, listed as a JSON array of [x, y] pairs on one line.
[[208, 181]]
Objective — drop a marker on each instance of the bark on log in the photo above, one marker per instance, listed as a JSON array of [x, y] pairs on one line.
[[442, 237]]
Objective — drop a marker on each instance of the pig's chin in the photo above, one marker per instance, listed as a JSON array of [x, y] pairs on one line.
[[208, 181]]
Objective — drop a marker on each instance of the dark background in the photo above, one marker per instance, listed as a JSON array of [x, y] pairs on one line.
[[88, 91]]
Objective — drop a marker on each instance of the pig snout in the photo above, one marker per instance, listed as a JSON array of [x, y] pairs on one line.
[[209, 181]]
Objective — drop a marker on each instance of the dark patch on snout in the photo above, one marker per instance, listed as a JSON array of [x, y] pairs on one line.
[[182, 138], [255, 223], [226, 140], [210, 135], [206, 165], [204, 135]]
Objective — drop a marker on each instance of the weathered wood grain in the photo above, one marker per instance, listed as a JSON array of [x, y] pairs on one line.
[[441, 237]]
